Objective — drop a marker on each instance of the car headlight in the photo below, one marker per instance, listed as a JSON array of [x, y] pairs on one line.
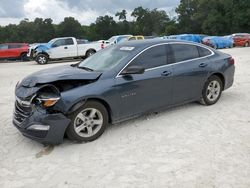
[[48, 102], [47, 96]]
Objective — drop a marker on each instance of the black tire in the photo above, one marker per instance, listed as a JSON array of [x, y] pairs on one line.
[[205, 99], [24, 57], [71, 132], [42, 59], [215, 46], [246, 44], [90, 53]]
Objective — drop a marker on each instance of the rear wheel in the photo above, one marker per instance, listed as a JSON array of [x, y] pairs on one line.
[[90, 53], [212, 90], [88, 123], [42, 59], [24, 57]]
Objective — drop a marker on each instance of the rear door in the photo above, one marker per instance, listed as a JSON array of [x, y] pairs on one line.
[[139, 93], [190, 70], [70, 47], [14, 50], [4, 51]]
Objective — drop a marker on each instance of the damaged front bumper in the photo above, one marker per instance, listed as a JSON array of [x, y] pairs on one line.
[[38, 125]]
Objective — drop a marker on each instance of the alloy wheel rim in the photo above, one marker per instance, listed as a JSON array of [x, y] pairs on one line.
[[88, 122], [213, 91], [42, 60], [91, 53]]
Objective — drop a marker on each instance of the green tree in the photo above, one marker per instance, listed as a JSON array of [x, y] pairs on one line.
[[121, 15], [69, 27], [149, 22], [105, 27]]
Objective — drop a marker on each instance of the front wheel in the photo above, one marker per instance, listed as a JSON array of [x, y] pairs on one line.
[[88, 123], [212, 90], [42, 59]]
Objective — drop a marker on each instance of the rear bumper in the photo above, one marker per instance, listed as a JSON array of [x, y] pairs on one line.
[[229, 77], [44, 128]]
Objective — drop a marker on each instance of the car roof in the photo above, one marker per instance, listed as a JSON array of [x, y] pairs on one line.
[[17, 43], [151, 42]]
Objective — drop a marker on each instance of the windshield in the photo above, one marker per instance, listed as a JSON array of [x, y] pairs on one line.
[[112, 39], [107, 58], [51, 41]]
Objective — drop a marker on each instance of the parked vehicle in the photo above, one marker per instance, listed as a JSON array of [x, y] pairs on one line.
[[186, 37], [118, 38], [63, 48], [218, 42], [116, 84], [241, 39], [14, 51], [150, 37], [138, 37]]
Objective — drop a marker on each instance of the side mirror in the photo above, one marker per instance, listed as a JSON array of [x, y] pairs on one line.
[[133, 70], [54, 45]]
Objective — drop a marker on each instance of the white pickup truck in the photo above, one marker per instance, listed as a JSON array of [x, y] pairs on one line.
[[63, 48]]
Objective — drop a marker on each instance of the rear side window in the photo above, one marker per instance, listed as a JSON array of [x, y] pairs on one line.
[[153, 57], [13, 46], [203, 51], [69, 41], [183, 52], [132, 38], [3, 47]]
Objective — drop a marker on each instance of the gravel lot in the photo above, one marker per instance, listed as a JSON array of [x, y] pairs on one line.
[[185, 147]]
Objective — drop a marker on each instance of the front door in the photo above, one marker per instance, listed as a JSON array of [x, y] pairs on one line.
[[153, 89]]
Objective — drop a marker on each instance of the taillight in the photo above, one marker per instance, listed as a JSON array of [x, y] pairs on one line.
[[102, 45], [231, 61]]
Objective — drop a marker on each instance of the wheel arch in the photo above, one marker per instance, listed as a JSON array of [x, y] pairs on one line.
[[222, 78], [22, 53], [80, 103], [44, 53], [90, 49]]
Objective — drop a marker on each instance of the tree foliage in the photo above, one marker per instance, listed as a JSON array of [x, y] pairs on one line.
[[214, 17]]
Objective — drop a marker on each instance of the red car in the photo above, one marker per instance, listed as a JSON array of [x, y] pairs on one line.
[[14, 51], [241, 39]]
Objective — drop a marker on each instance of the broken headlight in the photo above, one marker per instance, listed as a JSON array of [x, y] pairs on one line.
[[47, 97], [47, 100]]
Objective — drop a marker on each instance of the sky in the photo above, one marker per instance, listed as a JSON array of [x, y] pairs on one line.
[[85, 11]]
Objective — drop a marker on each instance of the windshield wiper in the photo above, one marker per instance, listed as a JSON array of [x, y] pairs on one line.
[[85, 68]]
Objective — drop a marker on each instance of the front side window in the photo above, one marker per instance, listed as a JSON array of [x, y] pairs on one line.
[[183, 52], [152, 57], [59, 42]]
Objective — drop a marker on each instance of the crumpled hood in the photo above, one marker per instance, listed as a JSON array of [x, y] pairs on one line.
[[65, 72]]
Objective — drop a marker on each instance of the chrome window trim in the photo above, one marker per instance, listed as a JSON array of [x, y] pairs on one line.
[[180, 62]]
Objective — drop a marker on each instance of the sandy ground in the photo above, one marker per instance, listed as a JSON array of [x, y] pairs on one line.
[[190, 146]]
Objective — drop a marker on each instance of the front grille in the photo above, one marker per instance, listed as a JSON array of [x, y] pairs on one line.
[[21, 113]]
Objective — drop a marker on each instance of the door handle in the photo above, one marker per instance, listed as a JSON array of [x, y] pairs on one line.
[[165, 73], [202, 65], [65, 47]]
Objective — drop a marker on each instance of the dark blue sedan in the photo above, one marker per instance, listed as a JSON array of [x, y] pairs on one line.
[[118, 83]]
